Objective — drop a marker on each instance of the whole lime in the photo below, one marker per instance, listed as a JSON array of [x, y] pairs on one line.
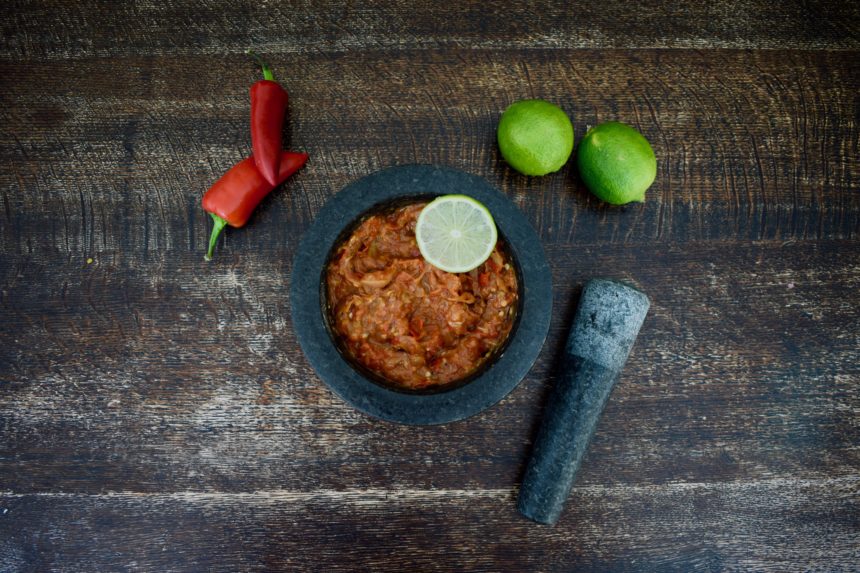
[[535, 137], [616, 163]]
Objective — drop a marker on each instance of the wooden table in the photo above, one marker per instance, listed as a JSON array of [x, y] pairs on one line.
[[157, 414]]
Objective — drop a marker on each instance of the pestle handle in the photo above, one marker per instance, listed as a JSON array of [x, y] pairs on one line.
[[606, 324]]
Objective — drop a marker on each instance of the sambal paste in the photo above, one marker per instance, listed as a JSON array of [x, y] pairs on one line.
[[407, 321]]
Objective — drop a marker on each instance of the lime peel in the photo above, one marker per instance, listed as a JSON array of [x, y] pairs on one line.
[[616, 163], [535, 137]]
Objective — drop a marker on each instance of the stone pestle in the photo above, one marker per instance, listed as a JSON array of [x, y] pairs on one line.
[[606, 324]]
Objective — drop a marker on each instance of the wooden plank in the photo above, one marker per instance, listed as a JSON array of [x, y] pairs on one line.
[[62, 30], [156, 413], [162, 373], [772, 525], [760, 146]]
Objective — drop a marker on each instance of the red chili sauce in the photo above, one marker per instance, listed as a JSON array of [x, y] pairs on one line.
[[404, 319]]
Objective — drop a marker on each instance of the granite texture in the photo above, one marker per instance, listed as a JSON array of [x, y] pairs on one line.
[[607, 321], [606, 324], [359, 390]]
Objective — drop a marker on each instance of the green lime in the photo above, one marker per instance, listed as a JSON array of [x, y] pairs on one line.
[[455, 233], [616, 163], [535, 137]]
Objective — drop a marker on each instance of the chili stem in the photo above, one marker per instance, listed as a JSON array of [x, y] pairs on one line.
[[216, 231], [267, 71]]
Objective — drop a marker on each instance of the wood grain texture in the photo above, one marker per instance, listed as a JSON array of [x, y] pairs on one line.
[[157, 414], [764, 336], [57, 29], [751, 146], [705, 528]]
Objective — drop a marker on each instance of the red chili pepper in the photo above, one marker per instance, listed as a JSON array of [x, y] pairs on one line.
[[232, 199], [268, 107]]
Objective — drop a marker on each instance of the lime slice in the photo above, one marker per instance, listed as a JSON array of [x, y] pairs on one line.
[[455, 233]]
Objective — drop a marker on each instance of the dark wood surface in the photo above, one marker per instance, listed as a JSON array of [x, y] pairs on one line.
[[157, 414]]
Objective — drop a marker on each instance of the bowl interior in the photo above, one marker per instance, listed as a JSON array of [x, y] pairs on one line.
[[326, 310]]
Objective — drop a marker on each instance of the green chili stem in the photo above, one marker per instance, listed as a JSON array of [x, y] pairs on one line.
[[216, 231], [267, 71]]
